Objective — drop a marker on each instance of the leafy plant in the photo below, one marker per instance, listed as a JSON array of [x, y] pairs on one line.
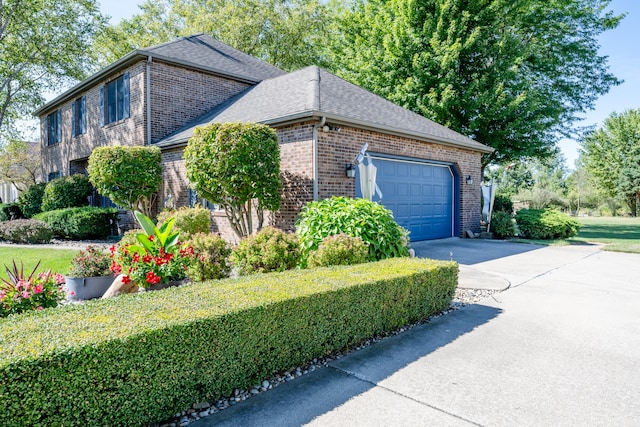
[[502, 203], [211, 257], [91, 262], [502, 225], [10, 211], [30, 200], [83, 223], [236, 166], [129, 176], [22, 292], [188, 221], [339, 249], [270, 249], [25, 231], [546, 224], [370, 221], [66, 192]]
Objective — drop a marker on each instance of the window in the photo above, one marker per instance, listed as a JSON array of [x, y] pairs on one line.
[[53, 128], [195, 201], [79, 116], [114, 100], [53, 175]]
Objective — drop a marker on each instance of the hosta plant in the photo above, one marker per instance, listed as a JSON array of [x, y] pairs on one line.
[[35, 291]]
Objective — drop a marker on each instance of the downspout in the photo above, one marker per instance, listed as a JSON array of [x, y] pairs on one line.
[[148, 95], [315, 156]]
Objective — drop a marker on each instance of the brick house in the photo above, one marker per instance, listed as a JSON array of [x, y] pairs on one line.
[[428, 174]]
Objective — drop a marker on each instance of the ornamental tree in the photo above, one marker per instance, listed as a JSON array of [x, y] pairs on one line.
[[237, 167], [129, 176]]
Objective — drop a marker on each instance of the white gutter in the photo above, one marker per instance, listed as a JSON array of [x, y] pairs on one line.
[[148, 94], [315, 156]]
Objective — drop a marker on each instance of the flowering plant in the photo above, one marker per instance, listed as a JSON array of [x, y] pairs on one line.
[[92, 262], [159, 258], [33, 292]]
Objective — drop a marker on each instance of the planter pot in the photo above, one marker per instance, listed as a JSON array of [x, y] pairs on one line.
[[87, 287]]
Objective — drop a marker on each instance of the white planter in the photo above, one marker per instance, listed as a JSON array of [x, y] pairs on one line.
[[85, 288]]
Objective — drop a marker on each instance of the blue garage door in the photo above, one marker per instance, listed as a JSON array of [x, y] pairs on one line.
[[420, 195]]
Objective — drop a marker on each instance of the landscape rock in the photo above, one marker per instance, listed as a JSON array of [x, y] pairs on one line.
[[118, 287]]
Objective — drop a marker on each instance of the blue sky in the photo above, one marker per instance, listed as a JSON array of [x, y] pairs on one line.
[[621, 45]]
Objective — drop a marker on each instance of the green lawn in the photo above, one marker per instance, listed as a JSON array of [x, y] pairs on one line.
[[57, 260]]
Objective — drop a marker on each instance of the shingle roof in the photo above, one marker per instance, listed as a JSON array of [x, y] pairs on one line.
[[314, 92]]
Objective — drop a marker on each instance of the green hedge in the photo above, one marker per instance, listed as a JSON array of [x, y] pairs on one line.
[[81, 223], [546, 224], [138, 359]]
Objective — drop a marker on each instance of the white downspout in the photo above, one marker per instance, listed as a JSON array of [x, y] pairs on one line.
[[148, 94], [315, 156]]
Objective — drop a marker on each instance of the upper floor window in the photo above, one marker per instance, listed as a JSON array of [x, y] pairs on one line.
[[114, 100], [54, 127], [79, 116]]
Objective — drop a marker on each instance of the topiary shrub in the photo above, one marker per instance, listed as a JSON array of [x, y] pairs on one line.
[[66, 192], [546, 224], [30, 200], [502, 225], [268, 250], [10, 211], [81, 223], [339, 249], [188, 221], [25, 231], [502, 203], [212, 257], [370, 221]]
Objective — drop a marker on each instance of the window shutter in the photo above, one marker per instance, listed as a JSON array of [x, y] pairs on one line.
[[46, 130], [83, 114], [59, 125], [125, 98], [73, 118], [101, 105]]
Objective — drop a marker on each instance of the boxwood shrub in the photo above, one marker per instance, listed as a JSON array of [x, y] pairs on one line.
[[546, 224], [138, 359], [66, 192], [81, 223]]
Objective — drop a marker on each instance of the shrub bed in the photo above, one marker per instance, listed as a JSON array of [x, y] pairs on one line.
[[139, 359], [81, 223], [546, 224], [25, 231]]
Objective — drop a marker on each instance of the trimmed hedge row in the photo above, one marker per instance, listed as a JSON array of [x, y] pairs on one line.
[[139, 359], [81, 223]]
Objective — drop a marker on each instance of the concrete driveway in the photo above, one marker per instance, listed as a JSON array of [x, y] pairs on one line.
[[560, 347]]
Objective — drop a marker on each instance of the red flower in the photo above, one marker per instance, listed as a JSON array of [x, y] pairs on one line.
[[115, 267], [126, 280], [112, 249], [151, 238], [146, 258], [152, 278], [136, 257], [37, 289]]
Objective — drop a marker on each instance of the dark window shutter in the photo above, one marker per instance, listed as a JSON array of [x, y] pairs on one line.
[[102, 106], [59, 125], [83, 114], [74, 129], [125, 98], [46, 130]]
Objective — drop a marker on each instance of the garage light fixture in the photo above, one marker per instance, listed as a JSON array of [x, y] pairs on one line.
[[469, 179], [350, 170]]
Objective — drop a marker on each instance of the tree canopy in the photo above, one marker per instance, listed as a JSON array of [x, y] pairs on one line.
[[20, 163], [512, 74], [43, 44]]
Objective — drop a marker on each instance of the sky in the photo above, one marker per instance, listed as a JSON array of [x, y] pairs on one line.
[[621, 45]]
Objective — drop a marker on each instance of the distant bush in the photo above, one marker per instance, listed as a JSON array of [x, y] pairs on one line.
[[502, 225], [81, 223], [188, 221], [212, 257], [10, 211], [339, 249], [25, 231], [268, 250], [66, 192], [502, 203], [546, 224], [30, 200]]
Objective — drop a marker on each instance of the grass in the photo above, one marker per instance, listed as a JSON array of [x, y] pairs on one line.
[[57, 260]]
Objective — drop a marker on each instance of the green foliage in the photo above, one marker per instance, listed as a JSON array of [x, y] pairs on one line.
[[139, 359], [31, 291], [25, 231], [66, 192], [81, 223], [236, 166], [502, 203], [511, 76], [130, 237], [502, 225], [30, 200], [129, 176], [546, 224], [19, 161], [211, 257], [91, 262], [10, 211], [270, 249], [188, 221], [370, 221], [339, 249]]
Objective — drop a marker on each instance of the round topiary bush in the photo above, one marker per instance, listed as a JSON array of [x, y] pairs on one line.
[[546, 224], [212, 257], [188, 221], [66, 192], [502, 225], [502, 203], [370, 221], [268, 250], [30, 200], [339, 249]]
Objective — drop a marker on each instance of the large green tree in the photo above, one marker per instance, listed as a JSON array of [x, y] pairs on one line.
[[612, 149], [285, 33], [43, 45], [513, 74]]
